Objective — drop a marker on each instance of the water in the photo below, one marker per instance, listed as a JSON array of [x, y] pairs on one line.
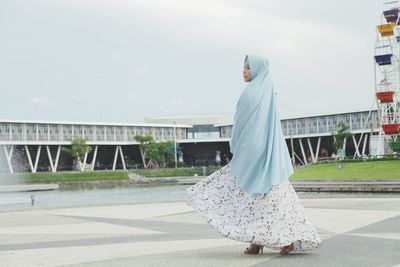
[[124, 195], [85, 197]]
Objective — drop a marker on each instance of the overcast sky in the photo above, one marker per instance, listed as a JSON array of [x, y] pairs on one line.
[[123, 60]]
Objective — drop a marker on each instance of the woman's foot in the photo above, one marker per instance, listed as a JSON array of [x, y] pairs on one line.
[[254, 249], [287, 249]]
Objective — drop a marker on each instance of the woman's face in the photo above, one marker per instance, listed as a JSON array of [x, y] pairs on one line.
[[246, 73]]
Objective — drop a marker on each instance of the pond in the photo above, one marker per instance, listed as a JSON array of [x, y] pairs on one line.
[[121, 195]]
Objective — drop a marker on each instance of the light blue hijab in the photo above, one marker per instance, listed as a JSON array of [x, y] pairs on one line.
[[260, 155]]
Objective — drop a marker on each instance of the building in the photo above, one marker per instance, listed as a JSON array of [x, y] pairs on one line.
[[31, 146], [37, 146]]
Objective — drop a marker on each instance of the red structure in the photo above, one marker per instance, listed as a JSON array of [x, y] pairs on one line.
[[393, 128], [385, 97]]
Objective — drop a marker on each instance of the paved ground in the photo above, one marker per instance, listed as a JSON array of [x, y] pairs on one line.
[[355, 232]]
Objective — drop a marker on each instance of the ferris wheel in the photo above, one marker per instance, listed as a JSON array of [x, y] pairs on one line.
[[387, 71]]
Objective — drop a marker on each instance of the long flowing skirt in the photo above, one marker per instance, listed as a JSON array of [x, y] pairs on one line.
[[274, 220]]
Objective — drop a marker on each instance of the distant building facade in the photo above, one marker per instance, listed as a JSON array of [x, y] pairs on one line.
[[31, 146]]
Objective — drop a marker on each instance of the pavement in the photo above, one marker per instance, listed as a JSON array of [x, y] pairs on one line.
[[355, 232]]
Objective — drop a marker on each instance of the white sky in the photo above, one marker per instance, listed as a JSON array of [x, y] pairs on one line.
[[123, 60]]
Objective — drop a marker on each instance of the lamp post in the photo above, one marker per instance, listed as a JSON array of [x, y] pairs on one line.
[[176, 160]]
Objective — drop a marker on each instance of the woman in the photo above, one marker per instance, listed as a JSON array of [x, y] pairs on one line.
[[251, 199]]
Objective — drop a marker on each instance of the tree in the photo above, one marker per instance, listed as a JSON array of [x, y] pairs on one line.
[[78, 150], [161, 153], [144, 142], [158, 153], [394, 144], [342, 133]]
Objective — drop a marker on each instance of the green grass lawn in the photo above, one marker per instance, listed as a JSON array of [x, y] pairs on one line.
[[58, 177], [373, 170], [175, 172]]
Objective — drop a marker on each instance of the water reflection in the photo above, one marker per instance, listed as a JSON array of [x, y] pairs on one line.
[[88, 197], [75, 196]]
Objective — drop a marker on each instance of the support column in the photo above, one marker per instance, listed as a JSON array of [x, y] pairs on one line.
[[318, 147], [299, 159], [9, 157], [292, 146], [302, 152], [365, 144], [311, 149], [122, 157], [84, 160], [94, 157], [53, 164], [28, 154], [57, 158], [357, 152], [115, 158], [50, 158], [314, 156], [37, 158]]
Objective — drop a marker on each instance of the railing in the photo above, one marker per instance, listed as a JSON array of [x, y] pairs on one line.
[[318, 125], [31, 132], [323, 125]]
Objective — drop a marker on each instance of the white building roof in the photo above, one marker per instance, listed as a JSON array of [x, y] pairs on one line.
[[225, 119], [194, 120], [98, 123], [217, 120]]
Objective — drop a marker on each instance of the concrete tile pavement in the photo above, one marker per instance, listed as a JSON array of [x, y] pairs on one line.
[[355, 231]]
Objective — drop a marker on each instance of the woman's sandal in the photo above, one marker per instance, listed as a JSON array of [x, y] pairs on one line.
[[287, 249], [254, 249]]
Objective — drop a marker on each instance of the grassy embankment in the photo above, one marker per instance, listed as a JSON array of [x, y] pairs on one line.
[[175, 172], [60, 177], [356, 170], [370, 170], [363, 171]]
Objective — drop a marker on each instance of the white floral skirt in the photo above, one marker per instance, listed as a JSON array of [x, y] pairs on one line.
[[274, 220]]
